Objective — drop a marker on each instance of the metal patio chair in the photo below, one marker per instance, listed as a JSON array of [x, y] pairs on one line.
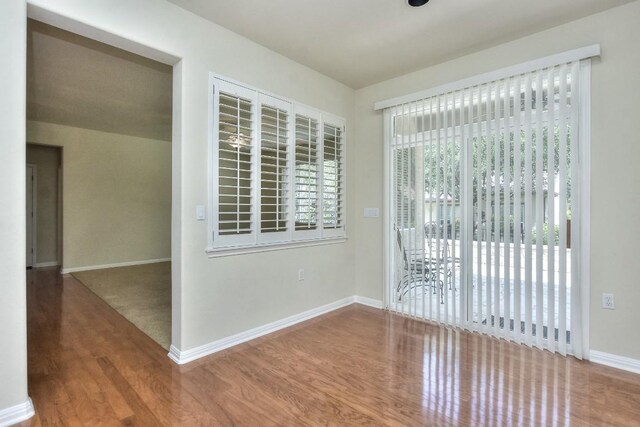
[[418, 272]]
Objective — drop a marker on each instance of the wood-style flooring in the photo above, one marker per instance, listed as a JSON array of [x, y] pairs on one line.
[[88, 366]]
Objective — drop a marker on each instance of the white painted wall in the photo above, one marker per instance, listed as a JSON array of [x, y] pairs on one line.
[[116, 195], [13, 320], [251, 290], [615, 228]]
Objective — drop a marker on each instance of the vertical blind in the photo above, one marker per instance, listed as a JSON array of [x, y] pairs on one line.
[[484, 208]]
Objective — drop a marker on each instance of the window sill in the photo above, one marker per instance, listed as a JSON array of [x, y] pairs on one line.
[[268, 247]]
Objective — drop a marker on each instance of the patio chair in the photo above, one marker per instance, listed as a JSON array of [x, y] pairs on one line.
[[418, 272], [442, 256]]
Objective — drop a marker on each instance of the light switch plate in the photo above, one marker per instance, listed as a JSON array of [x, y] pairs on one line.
[[200, 213], [371, 212]]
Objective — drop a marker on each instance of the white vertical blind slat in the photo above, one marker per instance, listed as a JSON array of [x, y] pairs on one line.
[[420, 151], [576, 312], [431, 192], [517, 212], [497, 197], [507, 208], [464, 219], [551, 238], [404, 208], [444, 226], [418, 173], [479, 220], [539, 209], [562, 249], [528, 195], [438, 214], [487, 210]]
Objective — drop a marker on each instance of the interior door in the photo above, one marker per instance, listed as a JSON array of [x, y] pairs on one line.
[[30, 215]]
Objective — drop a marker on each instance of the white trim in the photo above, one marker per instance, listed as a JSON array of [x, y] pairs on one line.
[[268, 247], [369, 302], [525, 67], [34, 214], [118, 264], [182, 357], [386, 216], [15, 414], [47, 264], [615, 361], [52, 15], [49, 15]]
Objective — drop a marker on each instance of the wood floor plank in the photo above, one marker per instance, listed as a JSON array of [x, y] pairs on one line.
[[355, 366], [142, 414]]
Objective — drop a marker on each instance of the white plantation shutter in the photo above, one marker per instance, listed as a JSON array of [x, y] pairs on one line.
[[235, 162], [275, 166], [277, 171], [333, 177], [307, 171], [486, 211]]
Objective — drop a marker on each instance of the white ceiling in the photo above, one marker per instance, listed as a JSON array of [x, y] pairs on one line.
[[75, 81], [361, 42]]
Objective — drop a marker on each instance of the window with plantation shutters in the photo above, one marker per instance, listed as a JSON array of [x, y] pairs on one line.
[[332, 177], [277, 171]]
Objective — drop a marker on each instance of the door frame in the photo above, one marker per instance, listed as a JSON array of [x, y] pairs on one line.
[[86, 29], [34, 214]]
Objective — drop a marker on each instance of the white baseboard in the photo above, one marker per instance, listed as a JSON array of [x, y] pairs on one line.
[[119, 264], [16, 414], [620, 362], [375, 303], [182, 357], [47, 264]]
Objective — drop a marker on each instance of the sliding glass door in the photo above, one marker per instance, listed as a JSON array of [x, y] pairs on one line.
[[483, 186]]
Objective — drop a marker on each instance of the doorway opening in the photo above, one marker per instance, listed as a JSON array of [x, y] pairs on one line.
[[109, 112]]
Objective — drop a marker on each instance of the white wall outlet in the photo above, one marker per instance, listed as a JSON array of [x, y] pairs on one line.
[[608, 301], [371, 212], [200, 213], [301, 275]]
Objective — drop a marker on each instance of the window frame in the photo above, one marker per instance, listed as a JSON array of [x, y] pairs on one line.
[[257, 241]]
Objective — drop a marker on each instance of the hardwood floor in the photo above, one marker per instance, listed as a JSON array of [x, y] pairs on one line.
[[357, 365]]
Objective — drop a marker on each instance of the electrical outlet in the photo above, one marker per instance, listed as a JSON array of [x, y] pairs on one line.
[[608, 301], [301, 275]]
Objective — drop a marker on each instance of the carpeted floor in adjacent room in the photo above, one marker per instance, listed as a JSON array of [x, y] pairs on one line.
[[141, 293]]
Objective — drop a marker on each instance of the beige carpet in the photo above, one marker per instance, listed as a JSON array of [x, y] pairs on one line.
[[141, 293]]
